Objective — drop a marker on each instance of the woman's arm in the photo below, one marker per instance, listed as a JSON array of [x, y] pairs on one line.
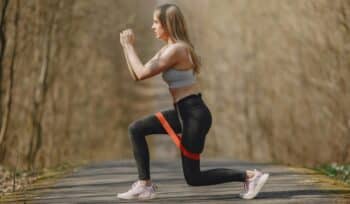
[[132, 73], [161, 61]]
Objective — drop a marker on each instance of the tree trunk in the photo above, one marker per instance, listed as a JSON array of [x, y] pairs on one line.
[[8, 99], [40, 94]]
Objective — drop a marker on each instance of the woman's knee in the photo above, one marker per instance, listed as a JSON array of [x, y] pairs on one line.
[[192, 176], [135, 129], [192, 179]]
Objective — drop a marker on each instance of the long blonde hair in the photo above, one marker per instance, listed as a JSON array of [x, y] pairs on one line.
[[173, 22]]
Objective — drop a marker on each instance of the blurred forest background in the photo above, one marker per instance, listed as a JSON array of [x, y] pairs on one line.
[[275, 76]]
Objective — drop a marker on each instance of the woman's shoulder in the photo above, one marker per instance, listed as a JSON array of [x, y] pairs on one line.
[[178, 46], [182, 46]]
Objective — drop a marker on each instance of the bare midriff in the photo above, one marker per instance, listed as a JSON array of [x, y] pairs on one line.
[[181, 92]]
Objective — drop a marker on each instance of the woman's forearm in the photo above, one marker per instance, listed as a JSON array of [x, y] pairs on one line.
[[132, 73], [134, 61]]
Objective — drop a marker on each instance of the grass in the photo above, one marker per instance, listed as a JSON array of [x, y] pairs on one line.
[[336, 171], [28, 181]]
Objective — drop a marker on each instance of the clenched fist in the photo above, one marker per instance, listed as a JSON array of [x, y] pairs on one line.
[[127, 36]]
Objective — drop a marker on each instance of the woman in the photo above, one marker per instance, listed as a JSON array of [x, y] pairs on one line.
[[179, 64]]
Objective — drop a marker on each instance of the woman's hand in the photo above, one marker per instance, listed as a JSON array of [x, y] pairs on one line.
[[127, 37]]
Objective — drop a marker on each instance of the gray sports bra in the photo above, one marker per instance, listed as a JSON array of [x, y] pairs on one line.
[[178, 78]]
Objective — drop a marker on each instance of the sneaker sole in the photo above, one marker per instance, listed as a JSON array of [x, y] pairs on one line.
[[261, 183], [147, 198], [137, 197], [127, 198]]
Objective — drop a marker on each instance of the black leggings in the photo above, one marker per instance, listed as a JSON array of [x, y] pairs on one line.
[[192, 118]]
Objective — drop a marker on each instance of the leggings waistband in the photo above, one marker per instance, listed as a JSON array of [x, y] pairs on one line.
[[186, 98]]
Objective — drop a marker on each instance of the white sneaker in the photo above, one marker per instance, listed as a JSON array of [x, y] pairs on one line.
[[139, 191], [253, 185]]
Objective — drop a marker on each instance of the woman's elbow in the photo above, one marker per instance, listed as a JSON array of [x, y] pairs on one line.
[[141, 77], [144, 75], [137, 77]]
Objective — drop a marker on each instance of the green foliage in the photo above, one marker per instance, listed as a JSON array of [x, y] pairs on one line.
[[337, 171]]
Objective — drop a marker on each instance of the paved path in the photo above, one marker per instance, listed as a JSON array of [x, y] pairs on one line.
[[98, 183]]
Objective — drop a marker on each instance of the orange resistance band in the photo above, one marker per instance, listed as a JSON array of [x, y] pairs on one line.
[[176, 139]]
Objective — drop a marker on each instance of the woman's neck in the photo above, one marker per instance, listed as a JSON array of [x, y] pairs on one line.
[[170, 41]]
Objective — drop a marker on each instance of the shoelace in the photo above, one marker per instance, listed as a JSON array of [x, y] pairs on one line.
[[154, 187], [245, 187], [246, 183], [134, 184]]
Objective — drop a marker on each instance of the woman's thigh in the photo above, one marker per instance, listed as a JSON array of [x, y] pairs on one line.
[[196, 124], [150, 124]]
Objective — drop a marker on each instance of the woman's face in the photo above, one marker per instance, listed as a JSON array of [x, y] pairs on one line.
[[158, 29]]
